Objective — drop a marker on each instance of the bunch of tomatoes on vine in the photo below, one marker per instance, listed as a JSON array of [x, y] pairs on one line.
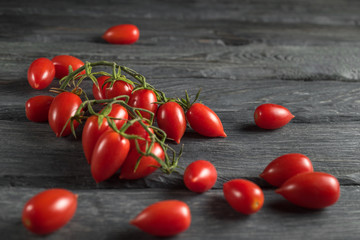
[[127, 126]]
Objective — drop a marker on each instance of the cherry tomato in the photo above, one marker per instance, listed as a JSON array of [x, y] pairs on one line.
[[62, 63], [109, 153], [61, 109], [171, 118], [144, 98], [37, 108], [243, 196], [138, 130], [99, 93], [92, 131], [41, 73], [200, 176], [272, 116], [205, 121], [119, 88], [49, 210], [285, 167], [122, 34], [313, 190], [164, 218], [147, 164]]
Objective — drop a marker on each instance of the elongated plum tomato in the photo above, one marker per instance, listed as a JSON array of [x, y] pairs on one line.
[[49, 210], [119, 88], [286, 166], [99, 93], [144, 98], [63, 107], [122, 34], [109, 154], [146, 166], [244, 196], [41, 73], [37, 108], [138, 130], [164, 218], [272, 116], [92, 131], [312, 190], [200, 176], [205, 121], [171, 118], [62, 63]]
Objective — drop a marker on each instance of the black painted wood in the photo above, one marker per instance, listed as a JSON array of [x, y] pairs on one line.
[[300, 54]]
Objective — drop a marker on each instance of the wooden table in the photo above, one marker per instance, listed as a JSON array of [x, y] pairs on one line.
[[304, 55]]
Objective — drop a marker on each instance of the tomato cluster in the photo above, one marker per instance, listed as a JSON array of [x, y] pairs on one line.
[[122, 137]]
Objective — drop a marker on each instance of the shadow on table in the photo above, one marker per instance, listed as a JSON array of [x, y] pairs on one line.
[[221, 210], [284, 206]]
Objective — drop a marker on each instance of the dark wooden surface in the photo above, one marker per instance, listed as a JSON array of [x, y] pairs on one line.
[[304, 55]]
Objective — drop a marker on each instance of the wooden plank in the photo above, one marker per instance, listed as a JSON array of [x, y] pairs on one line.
[[244, 153], [106, 214]]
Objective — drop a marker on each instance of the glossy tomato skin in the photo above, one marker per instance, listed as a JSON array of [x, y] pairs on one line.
[[37, 108], [200, 176], [164, 218], [99, 93], [244, 196], [41, 73], [122, 34], [119, 88], [144, 98], [205, 121], [314, 190], [109, 154], [49, 210], [286, 166], [171, 118], [92, 131], [272, 116], [138, 130], [62, 63], [61, 109], [147, 163]]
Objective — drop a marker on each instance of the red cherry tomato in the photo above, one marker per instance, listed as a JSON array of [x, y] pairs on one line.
[[37, 108], [92, 131], [313, 190], [62, 63], [144, 98], [119, 88], [171, 118], [49, 210], [138, 130], [99, 93], [164, 218], [284, 167], [205, 121], [109, 153], [122, 34], [272, 116], [243, 196], [41, 73], [61, 109], [147, 164], [200, 176]]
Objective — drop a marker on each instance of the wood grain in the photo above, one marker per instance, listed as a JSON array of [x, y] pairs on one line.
[[303, 55]]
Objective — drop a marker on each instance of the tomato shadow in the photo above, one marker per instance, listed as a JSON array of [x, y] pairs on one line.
[[254, 128], [98, 39], [221, 210], [285, 207], [132, 233]]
